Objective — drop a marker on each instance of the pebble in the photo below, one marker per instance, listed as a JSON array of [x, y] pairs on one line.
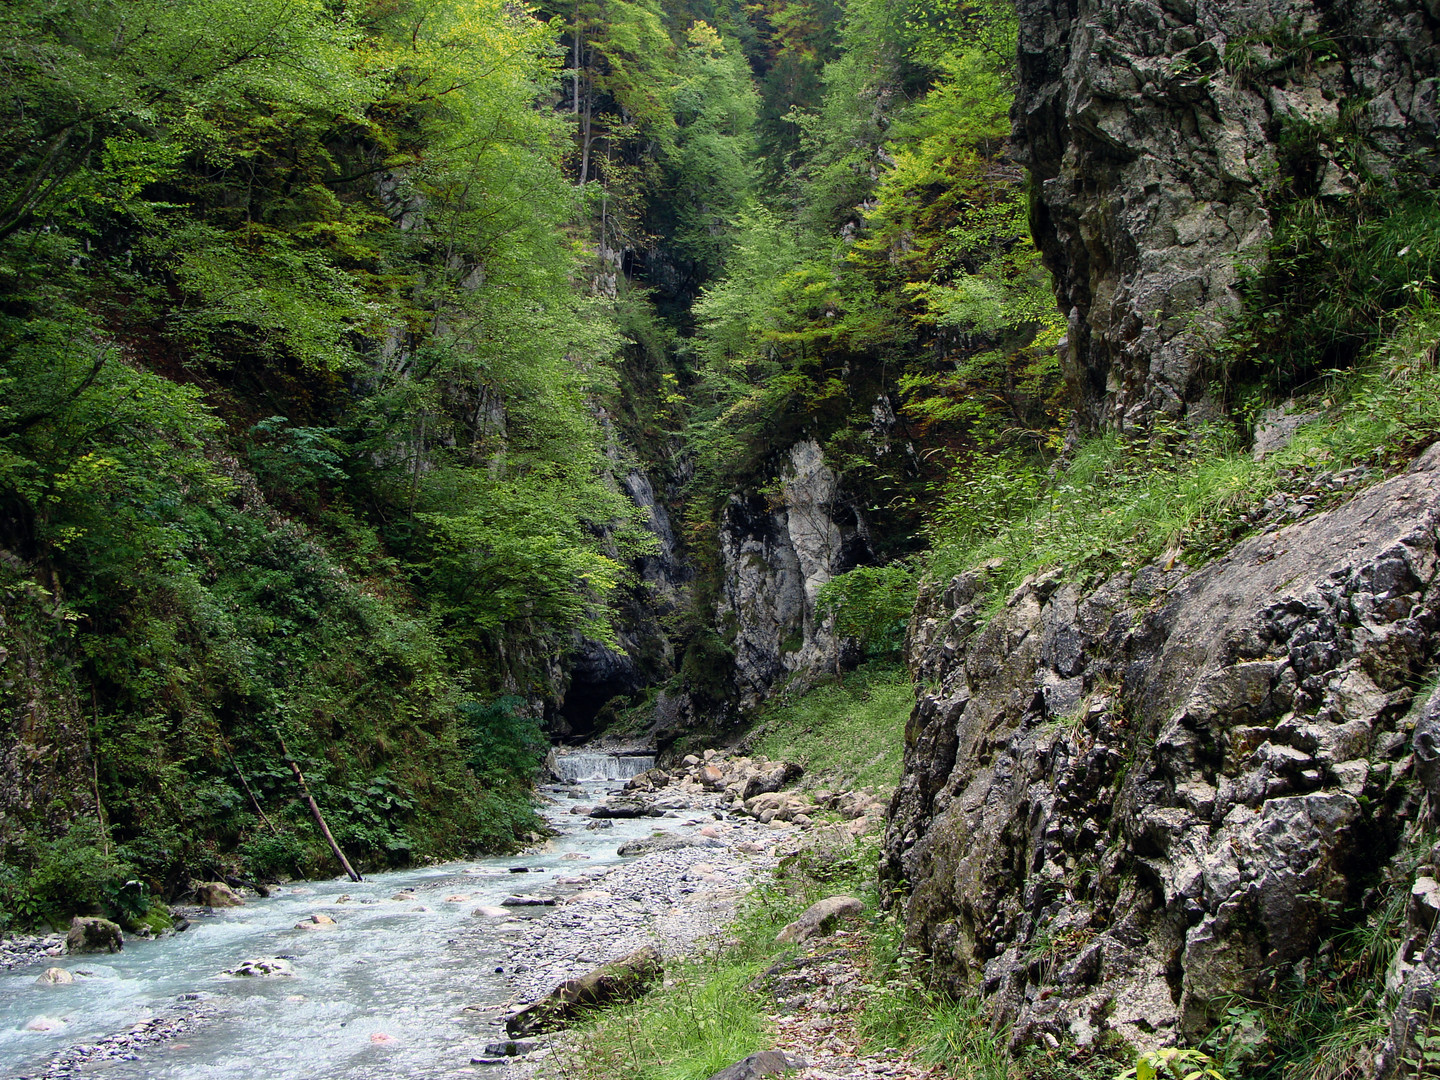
[[184, 1016], [22, 949]]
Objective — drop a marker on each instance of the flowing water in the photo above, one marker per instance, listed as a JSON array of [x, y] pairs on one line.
[[385, 992], [585, 766]]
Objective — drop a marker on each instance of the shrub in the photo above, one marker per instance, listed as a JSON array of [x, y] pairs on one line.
[[501, 742], [871, 604]]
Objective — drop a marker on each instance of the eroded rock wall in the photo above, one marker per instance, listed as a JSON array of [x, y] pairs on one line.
[[1158, 134], [47, 775], [1123, 805], [777, 548]]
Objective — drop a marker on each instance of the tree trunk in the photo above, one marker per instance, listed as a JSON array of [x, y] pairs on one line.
[[585, 141], [246, 785], [575, 101], [315, 813]]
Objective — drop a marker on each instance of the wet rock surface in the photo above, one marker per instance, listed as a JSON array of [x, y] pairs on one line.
[[94, 935], [1156, 134], [1124, 805], [89, 1059], [620, 980]]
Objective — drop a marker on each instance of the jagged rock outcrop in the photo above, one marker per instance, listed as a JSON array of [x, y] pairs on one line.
[[1157, 134], [46, 768], [777, 548], [1125, 804]]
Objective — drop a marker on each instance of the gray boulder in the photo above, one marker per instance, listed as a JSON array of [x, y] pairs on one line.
[[765, 1063], [665, 842], [820, 918], [92, 935], [216, 894], [623, 980]]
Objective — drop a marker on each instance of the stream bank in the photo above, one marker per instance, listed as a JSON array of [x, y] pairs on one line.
[[420, 966]]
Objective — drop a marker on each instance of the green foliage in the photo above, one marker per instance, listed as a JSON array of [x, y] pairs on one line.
[[872, 605], [1334, 282], [267, 259], [1123, 503], [74, 872], [955, 1035], [712, 165], [503, 741], [1174, 1063], [706, 1020], [843, 734], [706, 664], [896, 262]]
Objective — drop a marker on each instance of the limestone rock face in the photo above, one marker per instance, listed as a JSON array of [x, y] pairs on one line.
[[1119, 807], [777, 550], [1156, 132]]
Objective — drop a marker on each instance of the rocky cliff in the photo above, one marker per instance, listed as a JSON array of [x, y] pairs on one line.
[[1160, 138], [47, 767], [1124, 804], [777, 547]]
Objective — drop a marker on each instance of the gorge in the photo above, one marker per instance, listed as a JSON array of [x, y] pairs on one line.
[[396, 394]]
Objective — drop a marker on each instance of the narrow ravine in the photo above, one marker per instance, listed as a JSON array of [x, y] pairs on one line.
[[410, 980]]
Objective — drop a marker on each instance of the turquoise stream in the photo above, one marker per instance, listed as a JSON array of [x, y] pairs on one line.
[[390, 991]]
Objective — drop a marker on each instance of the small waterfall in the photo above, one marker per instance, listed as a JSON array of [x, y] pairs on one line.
[[589, 766]]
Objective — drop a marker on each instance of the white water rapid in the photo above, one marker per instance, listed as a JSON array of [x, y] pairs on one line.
[[391, 990], [586, 766]]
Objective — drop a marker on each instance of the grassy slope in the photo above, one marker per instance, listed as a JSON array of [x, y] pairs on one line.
[[846, 735]]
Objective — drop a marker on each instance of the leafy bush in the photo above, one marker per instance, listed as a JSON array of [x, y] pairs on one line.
[[75, 872], [1334, 283], [502, 742], [270, 855], [871, 604]]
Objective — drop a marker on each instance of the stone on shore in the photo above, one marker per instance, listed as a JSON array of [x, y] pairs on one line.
[[623, 980], [619, 808], [216, 894], [88, 935], [509, 1048], [820, 918], [664, 842], [765, 1063]]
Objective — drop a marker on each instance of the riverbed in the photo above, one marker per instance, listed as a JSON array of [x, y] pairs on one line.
[[408, 987]]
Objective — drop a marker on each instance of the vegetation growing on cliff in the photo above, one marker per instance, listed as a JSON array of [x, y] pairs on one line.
[[296, 444], [310, 319]]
